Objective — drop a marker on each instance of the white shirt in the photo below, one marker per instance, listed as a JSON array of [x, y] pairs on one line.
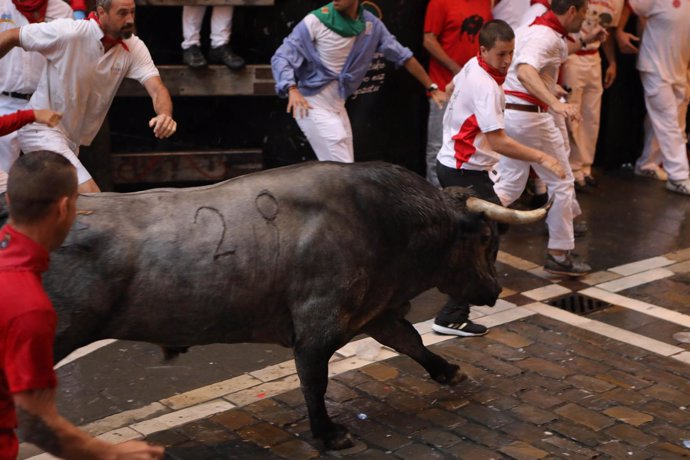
[[532, 13], [476, 107], [665, 48], [80, 80], [541, 47], [511, 11], [333, 51], [20, 70]]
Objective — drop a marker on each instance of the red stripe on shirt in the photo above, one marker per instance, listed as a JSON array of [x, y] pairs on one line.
[[464, 141]]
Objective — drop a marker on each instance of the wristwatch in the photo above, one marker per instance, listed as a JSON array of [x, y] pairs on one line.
[[432, 87]]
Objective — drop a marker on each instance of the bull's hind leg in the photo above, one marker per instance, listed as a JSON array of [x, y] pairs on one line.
[[396, 332], [312, 368]]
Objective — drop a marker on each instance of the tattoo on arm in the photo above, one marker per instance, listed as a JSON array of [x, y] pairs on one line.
[[35, 430]]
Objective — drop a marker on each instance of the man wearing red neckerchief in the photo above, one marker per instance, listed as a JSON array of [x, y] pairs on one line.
[[87, 61], [42, 197], [531, 92], [20, 70], [474, 138], [451, 29]]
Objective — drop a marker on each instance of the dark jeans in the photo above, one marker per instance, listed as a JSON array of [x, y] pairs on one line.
[[457, 310]]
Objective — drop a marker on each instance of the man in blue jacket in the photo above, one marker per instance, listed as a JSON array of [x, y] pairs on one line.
[[324, 60]]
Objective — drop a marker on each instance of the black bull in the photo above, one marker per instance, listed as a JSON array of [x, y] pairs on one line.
[[305, 256]]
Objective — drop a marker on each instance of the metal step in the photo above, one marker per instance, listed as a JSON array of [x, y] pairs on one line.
[[215, 80], [204, 2], [185, 166]]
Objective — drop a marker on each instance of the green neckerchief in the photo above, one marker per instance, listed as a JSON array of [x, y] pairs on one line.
[[343, 25]]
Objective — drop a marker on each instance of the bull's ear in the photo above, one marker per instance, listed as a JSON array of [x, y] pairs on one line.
[[456, 198]]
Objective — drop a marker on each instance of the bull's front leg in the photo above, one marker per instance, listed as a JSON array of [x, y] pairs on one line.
[[396, 332], [312, 368]]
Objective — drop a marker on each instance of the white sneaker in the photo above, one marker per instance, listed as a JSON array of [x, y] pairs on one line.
[[652, 171], [679, 186]]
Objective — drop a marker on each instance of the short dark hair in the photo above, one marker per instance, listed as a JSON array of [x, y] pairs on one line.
[[493, 31], [561, 6], [105, 4], [37, 180]]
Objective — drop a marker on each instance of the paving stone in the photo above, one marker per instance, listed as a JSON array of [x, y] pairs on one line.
[[442, 418], [404, 423], [417, 451], [500, 367], [263, 434], [588, 383], [628, 415], [583, 416], [272, 411], [406, 402], [544, 368], [666, 412], [453, 403], [294, 398], [352, 378], [533, 415], [234, 419], [167, 438], [518, 299], [416, 385], [669, 394], [631, 435], [295, 449], [622, 450], [550, 352], [380, 371], [508, 338], [490, 438], [578, 433], [564, 444], [470, 451], [505, 352], [376, 389], [486, 416], [437, 437], [338, 392], [674, 451], [378, 435], [522, 451], [462, 354], [524, 431], [540, 398], [623, 379], [670, 433], [626, 397], [206, 432], [579, 396]]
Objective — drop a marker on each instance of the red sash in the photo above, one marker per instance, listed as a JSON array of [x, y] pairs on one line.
[[33, 10]]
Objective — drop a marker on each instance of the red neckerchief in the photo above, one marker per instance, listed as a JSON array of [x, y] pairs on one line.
[[491, 70], [106, 40], [18, 252], [33, 10], [550, 20], [541, 2]]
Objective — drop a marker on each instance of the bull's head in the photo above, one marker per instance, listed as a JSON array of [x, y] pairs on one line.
[[471, 274]]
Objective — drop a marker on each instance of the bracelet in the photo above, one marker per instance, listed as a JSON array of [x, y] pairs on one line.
[[583, 43]]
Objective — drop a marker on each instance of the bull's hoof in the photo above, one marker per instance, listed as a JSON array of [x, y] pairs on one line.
[[451, 376], [340, 441]]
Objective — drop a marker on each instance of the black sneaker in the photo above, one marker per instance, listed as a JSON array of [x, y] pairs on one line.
[[193, 57], [466, 329], [569, 267], [225, 55]]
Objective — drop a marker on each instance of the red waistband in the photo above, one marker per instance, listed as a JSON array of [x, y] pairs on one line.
[[586, 52], [527, 97]]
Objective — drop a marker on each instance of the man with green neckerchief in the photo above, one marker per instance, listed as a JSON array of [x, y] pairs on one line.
[[324, 60]]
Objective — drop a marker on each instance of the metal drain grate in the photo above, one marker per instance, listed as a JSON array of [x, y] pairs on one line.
[[578, 304]]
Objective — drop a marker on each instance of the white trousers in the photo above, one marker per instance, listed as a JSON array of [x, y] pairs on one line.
[[583, 75], [221, 25], [651, 154], [327, 127], [34, 137], [665, 103], [9, 146], [540, 131]]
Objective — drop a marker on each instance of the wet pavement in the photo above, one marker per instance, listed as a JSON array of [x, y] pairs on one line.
[[544, 383]]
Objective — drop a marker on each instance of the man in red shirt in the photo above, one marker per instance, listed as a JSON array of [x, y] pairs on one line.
[[451, 30], [42, 196]]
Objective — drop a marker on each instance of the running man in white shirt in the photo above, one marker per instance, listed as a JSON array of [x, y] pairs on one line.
[[19, 70], [87, 61], [664, 65], [474, 136], [531, 90]]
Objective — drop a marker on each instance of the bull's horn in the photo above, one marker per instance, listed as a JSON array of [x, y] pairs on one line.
[[506, 215]]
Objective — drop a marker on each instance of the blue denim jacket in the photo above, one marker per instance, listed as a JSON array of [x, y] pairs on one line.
[[296, 61]]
